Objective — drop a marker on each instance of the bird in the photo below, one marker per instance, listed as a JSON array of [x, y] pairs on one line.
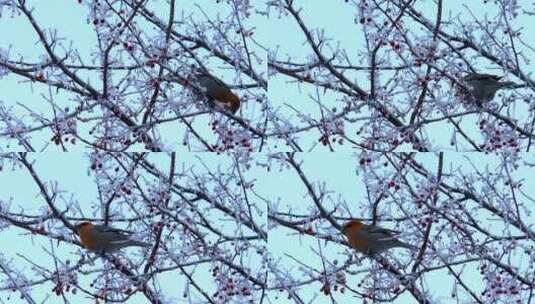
[[217, 92], [100, 238], [483, 87], [370, 239]]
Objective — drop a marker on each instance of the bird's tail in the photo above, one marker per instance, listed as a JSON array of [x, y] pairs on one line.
[[139, 243], [508, 84], [397, 243], [128, 243]]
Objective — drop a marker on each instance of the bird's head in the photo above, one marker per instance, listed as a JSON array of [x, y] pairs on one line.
[[80, 226], [353, 224]]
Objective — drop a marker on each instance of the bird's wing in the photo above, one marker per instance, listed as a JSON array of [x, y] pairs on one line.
[[209, 77], [108, 229], [379, 231], [477, 76]]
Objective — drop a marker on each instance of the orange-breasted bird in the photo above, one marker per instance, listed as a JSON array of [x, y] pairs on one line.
[[217, 92], [370, 239], [102, 238]]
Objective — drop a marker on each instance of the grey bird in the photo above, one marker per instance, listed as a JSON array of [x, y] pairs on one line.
[[483, 87]]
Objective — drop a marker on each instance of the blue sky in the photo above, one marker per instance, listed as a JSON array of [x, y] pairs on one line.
[[72, 24], [343, 180], [337, 23], [69, 173], [339, 172]]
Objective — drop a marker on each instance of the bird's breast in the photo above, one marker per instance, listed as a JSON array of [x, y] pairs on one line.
[[88, 240]]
